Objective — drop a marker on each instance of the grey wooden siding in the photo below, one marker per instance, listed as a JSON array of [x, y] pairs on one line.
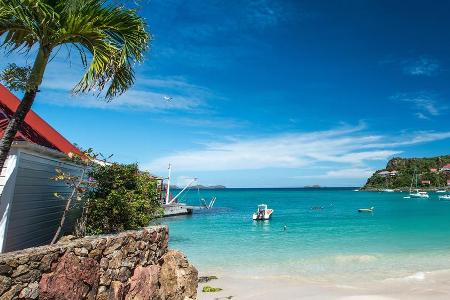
[[35, 211]]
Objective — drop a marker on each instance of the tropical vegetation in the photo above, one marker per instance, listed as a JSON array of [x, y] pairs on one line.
[[122, 198], [108, 37], [426, 169]]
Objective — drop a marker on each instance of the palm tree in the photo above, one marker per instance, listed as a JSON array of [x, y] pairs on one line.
[[109, 38]]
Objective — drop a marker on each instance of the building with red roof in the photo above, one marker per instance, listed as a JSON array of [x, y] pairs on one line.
[[30, 213], [35, 130]]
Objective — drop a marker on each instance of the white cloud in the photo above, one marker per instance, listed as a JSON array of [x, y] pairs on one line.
[[147, 94], [424, 103], [350, 173], [134, 99], [423, 66], [347, 147], [207, 122], [64, 72]]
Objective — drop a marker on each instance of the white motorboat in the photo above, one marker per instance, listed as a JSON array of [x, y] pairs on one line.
[[366, 210], [388, 190], [262, 213], [441, 191], [444, 197], [419, 194]]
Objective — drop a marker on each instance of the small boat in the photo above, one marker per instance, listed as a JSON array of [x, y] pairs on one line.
[[317, 208], [388, 190], [441, 191], [262, 212], [419, 194], [366, 210], [444, 197]]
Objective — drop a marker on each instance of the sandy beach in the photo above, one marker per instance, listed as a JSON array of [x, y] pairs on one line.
[[422, 285]]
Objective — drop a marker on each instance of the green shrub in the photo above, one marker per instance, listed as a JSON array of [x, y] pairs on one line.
[[210, 289], [123, 198]]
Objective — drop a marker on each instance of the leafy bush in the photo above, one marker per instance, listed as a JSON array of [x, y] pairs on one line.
[[123, 198], [210, 289]]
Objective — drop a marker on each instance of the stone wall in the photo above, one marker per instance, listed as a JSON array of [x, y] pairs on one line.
[[129, 265]]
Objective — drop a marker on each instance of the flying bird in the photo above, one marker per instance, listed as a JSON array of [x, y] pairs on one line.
[[167, 98]]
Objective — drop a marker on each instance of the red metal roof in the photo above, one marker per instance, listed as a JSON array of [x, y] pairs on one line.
[[447, 166], [34, 129]]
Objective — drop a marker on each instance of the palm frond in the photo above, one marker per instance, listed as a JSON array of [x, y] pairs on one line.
[[110, 39], [116, 38], [25, 22]]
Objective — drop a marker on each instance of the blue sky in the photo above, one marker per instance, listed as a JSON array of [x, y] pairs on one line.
[[270, 92]]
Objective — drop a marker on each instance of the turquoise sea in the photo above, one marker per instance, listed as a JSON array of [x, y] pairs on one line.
[[401, 238]]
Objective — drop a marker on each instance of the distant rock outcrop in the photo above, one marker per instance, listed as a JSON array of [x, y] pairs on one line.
[[398, 174]]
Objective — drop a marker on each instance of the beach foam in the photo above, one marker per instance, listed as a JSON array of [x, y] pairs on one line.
[[364, 258]]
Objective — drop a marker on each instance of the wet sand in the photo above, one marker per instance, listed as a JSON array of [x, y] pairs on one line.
[[422, 285]]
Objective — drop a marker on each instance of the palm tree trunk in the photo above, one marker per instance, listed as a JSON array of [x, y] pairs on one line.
[[18, 117]]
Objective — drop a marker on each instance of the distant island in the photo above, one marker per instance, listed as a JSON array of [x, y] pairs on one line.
[[432, 173], [314, 186]]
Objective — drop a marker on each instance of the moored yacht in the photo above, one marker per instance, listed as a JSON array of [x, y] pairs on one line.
[[419, 194], [262, 212]]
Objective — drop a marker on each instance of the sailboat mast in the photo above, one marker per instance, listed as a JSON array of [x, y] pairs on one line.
[[168, 185], [412, 180]]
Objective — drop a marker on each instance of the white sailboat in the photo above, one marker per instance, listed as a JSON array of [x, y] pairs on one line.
[[387, 190], [438, 184], [417, 193]]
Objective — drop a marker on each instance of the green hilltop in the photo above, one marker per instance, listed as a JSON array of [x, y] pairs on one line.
[[399, 173]]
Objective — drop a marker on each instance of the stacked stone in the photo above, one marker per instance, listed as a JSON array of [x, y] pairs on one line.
[[128, 265]]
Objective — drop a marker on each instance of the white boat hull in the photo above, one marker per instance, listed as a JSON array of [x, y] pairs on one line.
[[256, 218], [444, 197], [265, 216], [419, 195], [366, 210], [176, 209]]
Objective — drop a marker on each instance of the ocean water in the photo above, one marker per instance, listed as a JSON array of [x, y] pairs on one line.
[[400, 238]]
